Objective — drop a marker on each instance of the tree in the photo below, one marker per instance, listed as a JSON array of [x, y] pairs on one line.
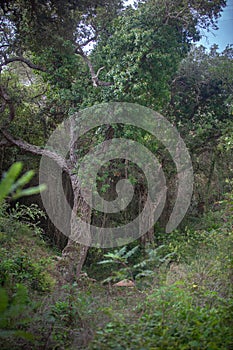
[[144, 47], [52, 35], [201, 107], [51, 39]]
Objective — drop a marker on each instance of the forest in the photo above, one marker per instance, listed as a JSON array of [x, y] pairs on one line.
[[116, 176]]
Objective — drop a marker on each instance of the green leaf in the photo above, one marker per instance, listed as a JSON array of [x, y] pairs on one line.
[[24, 179], [107, 262], [122, 251], [111, 255], [8, 180], [15, 170], [131, 252], [29, 191]]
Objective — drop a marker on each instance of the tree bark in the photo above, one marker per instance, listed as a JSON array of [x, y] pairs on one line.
[[148, 237], [74, 254]]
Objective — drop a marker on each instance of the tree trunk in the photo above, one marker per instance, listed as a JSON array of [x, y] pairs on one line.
[[74, 254], [148, 237]]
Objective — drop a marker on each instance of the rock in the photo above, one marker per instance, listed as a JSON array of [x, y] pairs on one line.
[[124, 283]]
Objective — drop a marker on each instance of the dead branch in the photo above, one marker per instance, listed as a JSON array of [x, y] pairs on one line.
[[94, 76]]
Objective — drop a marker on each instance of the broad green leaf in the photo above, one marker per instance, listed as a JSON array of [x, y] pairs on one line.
[[107, 262], [131, 252], [15, 170], [29, 191], [24, 179], [7, 182]]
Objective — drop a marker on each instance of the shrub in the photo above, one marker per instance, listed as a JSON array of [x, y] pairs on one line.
[[13, 319]]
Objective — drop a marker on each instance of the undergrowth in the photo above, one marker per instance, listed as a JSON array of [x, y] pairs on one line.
[[181, 299]]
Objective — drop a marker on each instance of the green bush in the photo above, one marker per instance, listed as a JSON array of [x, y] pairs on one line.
[[13, 317], [20, 268], [18, 263]]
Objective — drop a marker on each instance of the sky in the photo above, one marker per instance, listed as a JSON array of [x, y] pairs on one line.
[[224, 35]]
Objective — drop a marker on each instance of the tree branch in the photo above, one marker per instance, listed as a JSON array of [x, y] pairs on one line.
[[95, 77], [37, 150], [23, 60]]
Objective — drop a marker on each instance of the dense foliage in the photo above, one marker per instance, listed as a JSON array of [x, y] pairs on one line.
[[59, 57]]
